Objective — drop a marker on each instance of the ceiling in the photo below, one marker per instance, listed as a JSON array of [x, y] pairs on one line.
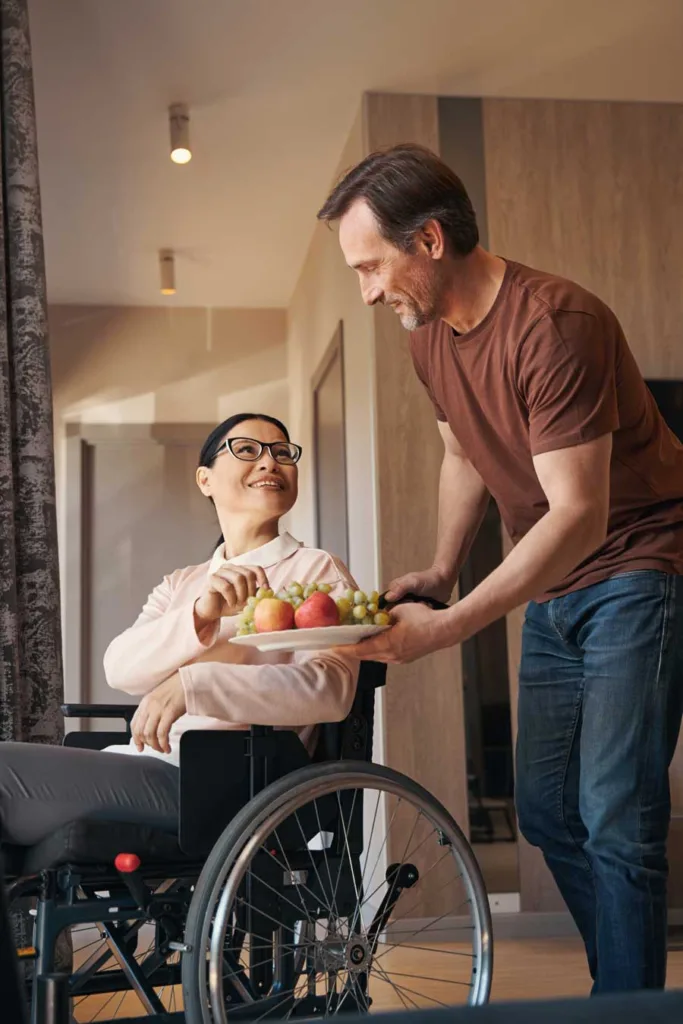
[[274, 87]]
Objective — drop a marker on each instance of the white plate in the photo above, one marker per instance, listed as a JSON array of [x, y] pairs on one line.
[[320, 639]]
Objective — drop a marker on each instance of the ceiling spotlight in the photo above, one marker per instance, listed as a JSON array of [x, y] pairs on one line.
[[167, 271], [179, 119]]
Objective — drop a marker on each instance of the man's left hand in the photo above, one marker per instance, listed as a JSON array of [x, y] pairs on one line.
[[417, 631], [156, 713]]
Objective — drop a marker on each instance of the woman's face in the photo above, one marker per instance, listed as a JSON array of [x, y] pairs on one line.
[[264, 488]]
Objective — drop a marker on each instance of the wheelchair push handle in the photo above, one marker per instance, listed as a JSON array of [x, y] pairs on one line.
[[430, 602]]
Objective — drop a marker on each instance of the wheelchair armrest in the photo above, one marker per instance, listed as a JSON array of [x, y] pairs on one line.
[[125, 711]]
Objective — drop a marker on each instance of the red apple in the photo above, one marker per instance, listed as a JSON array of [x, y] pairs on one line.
[[317, 610], [272, 615]]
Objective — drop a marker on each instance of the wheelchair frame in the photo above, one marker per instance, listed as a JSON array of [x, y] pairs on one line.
[[67, 894]]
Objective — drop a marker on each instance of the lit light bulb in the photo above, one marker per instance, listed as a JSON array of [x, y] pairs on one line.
[[181, 155]]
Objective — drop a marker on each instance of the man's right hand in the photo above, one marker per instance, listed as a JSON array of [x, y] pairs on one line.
[[226, 592], [428, 583]]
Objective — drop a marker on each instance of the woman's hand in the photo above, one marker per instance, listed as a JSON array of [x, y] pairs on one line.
[[156, 713], [226, 591]]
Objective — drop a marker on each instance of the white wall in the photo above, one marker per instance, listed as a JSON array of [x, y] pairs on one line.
[[123, 364], [327, 292]]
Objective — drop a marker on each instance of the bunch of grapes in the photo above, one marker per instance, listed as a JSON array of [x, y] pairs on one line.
[[356, 608]]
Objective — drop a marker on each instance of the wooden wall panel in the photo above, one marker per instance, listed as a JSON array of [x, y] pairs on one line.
[[594, 192], [423, 720]]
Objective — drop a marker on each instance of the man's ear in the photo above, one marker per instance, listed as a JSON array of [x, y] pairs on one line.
[[432, 239], [203, 481]]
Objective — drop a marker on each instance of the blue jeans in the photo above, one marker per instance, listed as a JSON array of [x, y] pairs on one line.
[[600, 703]]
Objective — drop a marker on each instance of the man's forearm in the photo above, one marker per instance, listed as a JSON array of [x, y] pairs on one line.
[[463, 500], [550, 550]]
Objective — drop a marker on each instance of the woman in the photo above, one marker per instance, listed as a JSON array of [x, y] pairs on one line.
[[178, 659]]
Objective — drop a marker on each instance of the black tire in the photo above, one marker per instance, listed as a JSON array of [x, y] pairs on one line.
[[275, 796]]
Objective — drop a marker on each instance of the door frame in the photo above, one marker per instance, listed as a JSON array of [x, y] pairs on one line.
[[334, 350], [80, 439]]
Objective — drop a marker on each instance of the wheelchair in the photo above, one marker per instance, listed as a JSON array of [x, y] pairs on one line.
[[294, 887]]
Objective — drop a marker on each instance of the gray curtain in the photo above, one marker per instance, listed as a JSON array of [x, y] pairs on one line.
[[30, 652]]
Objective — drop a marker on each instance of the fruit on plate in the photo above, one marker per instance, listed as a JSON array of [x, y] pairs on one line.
[[305, 606], [317, 610], [356, 608], [272, 615]]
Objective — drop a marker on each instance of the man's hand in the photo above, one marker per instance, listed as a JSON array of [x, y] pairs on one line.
[[416, 631], [156, 713], [428, 583]]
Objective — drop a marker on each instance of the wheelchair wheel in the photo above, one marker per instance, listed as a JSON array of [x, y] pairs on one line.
[[294, 915]]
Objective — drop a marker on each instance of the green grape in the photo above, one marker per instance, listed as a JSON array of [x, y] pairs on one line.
[[324, 588], [360, 611], [374, 597], [248, 614], [295, 589], [252, 602], [368, 620], [359, 597], [282, 595], [310, 589], [382, 619], [349, 595], [372, 608], [297, 602], [260, 593], [268, 592]]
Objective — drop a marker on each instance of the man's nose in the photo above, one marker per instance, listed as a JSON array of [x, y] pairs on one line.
[[371, 294]]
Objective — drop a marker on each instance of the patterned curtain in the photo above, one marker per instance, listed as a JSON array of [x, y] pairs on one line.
[[30, 641]]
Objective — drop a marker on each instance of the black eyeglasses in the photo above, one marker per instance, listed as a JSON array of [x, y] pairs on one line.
[[245, 448]]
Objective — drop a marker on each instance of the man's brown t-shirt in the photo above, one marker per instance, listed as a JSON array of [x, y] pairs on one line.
[[549, 367]]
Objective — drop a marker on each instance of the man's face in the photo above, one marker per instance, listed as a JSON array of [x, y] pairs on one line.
[[408, 282]]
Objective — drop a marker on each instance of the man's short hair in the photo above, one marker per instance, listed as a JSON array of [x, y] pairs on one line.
[[405, 187]]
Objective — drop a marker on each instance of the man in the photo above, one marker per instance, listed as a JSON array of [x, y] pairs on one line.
[[540, 403]]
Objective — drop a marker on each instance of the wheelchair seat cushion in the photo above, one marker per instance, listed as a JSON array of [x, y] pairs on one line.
[[91, 841]]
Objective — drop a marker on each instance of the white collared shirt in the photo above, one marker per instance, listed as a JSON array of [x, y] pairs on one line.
[[266, 556]]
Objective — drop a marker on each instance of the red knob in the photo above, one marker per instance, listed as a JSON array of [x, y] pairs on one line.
[[126, 863]]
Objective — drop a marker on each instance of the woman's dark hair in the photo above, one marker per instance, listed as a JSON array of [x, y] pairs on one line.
[[213, 443], [405, 187]]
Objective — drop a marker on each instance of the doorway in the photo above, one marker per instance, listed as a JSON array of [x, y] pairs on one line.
[[134, 515], [329, 451], [488, 725]]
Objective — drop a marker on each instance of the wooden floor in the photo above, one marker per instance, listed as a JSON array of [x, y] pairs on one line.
[[524, 969]]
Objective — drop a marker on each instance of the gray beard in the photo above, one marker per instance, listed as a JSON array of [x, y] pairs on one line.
[[411, 321]]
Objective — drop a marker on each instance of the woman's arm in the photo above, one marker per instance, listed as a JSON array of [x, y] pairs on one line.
[[157, 644], [314, 688]]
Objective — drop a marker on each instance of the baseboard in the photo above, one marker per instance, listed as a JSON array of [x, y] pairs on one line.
[[505, 926], [527, 924]]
